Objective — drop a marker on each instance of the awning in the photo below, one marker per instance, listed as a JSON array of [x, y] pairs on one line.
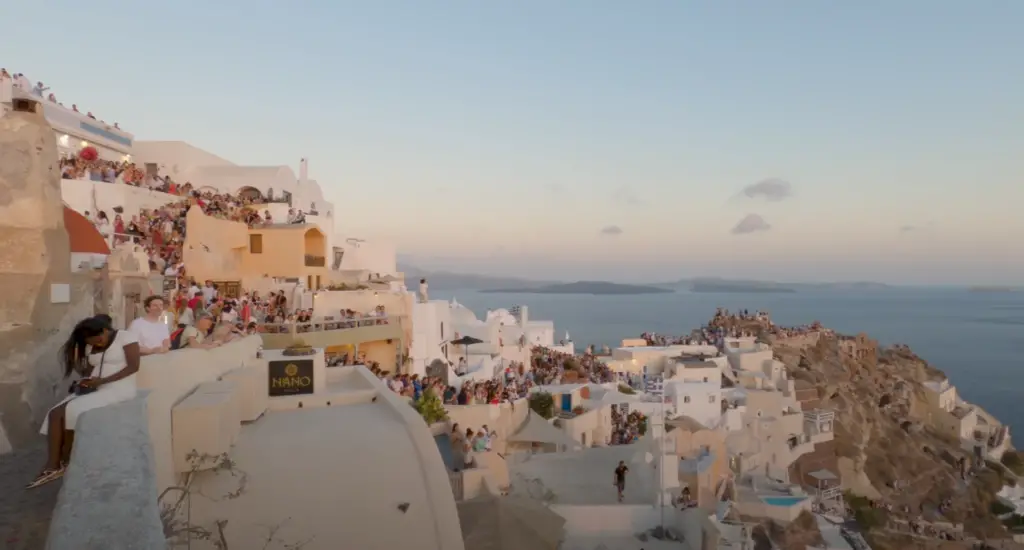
[[537, 430]]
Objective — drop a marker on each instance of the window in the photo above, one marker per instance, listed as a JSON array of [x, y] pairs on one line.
[[712, 399], [256, 244], [686, 399]]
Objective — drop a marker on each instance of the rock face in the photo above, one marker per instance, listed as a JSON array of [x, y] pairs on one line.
[[34, 256], [885, 447]]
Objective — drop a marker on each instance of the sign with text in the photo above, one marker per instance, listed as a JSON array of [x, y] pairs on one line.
[[290, 377]]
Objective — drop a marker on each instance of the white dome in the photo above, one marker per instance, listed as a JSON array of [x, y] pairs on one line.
[[462, 315], [502, 316]]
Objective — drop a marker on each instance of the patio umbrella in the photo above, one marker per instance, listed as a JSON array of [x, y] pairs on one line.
[[509, 523], [466, 341]]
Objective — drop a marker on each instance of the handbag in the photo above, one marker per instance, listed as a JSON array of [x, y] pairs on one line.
[[78, 389]]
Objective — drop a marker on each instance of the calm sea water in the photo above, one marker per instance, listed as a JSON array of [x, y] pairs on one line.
[[977, 338]]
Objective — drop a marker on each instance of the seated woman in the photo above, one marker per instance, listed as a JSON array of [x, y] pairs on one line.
[[107, 359]]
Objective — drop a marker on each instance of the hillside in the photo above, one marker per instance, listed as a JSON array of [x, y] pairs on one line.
[[883, 435]]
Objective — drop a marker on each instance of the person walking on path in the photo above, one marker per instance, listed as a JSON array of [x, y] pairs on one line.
[[620, 478]]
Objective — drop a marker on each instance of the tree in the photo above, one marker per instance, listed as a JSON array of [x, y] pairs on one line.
[[431, 408], [543, 404]]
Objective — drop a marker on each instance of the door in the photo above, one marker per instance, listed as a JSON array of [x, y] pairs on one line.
[[566, 402]]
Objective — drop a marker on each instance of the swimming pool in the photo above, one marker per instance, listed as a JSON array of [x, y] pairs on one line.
[[783, 501]]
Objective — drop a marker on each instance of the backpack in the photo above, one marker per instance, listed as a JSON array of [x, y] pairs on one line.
[[176, 338]]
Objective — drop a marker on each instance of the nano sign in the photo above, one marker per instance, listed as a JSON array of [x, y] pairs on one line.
[[294, 377]]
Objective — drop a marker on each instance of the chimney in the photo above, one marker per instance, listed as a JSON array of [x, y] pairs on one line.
[[303, 170]]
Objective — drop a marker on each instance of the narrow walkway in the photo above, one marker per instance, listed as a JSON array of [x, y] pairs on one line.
[[24, 515]]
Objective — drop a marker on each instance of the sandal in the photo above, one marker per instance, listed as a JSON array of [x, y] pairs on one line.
[[46, 477]]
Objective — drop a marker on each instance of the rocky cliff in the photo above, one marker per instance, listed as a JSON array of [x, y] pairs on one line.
[[889, 447]]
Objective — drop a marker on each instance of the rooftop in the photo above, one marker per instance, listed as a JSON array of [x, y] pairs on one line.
[[584, 477], [308, 473]]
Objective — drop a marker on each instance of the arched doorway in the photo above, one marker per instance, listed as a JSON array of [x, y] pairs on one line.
[[250, 193]]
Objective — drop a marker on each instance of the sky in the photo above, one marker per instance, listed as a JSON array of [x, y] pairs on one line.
[[795, 140]]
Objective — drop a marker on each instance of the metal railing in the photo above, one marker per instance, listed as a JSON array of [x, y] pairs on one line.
[[324, 324], [315, 261], [455, 479]]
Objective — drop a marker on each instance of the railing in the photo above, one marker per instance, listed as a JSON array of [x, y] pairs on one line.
[[455, 478], [324, 324], [315, 261]]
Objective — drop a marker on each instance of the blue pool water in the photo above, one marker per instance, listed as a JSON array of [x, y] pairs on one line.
[[783, 501]]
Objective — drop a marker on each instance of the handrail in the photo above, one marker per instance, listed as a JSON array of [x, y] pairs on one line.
[[325, 324]]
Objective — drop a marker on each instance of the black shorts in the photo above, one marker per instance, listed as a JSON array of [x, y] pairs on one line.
[[621, 485]]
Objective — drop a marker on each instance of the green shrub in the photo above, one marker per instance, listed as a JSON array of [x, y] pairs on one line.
[[626, 389], [431, 408], [543, 404], [1013, 461], [1014, 522], [999, 508]]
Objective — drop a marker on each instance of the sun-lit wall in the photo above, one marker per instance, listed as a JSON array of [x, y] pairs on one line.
[[214, 249], [287, 251]]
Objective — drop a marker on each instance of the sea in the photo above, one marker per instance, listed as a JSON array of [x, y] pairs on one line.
[[976, 338]]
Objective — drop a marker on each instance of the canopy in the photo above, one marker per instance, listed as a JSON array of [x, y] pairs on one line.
[[537, 430], [466, 341], [509, 523]]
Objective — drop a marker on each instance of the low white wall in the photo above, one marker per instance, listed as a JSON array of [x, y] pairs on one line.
[[122, 459], [609, 520], [171, 377], [94, 196]]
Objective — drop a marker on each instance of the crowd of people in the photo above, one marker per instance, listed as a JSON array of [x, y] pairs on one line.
[[39, 90], [554, 367], [627, 426]]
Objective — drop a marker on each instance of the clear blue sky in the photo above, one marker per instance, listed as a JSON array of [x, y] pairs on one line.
[[509, 137]]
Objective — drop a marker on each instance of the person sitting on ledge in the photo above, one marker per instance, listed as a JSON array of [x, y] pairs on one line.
[[107, 360], [196, 337]]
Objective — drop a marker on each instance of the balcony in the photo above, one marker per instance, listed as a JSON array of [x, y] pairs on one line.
[[315, 261], [328, 331]]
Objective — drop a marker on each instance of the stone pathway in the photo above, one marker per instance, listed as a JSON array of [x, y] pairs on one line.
[[24, 515]]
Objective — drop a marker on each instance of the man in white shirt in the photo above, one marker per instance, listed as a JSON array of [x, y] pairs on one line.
[[153, 334], [209, 293]]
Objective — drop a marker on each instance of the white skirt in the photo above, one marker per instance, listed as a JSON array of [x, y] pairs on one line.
[[115, 392]]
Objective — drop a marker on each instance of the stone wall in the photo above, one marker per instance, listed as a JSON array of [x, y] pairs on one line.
[[34, 260], [109, 496]]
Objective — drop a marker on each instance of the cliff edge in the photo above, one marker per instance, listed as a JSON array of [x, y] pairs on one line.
[[907, 448]]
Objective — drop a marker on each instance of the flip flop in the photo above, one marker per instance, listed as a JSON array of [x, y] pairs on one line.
[[46, 477]]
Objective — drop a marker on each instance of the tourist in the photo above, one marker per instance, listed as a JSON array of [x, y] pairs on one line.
[[620, 478], [423, 291], [195, 336], [153, 334], [107, 360]]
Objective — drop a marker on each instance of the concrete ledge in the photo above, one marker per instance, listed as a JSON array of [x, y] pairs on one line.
[[109, 496]]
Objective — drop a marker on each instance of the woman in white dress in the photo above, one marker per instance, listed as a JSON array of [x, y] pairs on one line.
[[107, 361]]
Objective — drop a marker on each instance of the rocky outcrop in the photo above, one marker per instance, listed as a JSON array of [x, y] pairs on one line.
[[35, 262], [885, 448]]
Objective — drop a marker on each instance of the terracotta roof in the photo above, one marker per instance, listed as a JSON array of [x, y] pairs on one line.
[[84, 236]]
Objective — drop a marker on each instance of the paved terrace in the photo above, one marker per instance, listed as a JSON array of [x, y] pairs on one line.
[[585, 477], [25, 515]]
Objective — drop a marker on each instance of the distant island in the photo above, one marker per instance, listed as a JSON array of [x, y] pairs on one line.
[[994, 289], [738, 287], [585, 287]]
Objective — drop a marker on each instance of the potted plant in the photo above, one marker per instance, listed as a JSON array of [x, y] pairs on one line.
[[431, 408], [543, 404]]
